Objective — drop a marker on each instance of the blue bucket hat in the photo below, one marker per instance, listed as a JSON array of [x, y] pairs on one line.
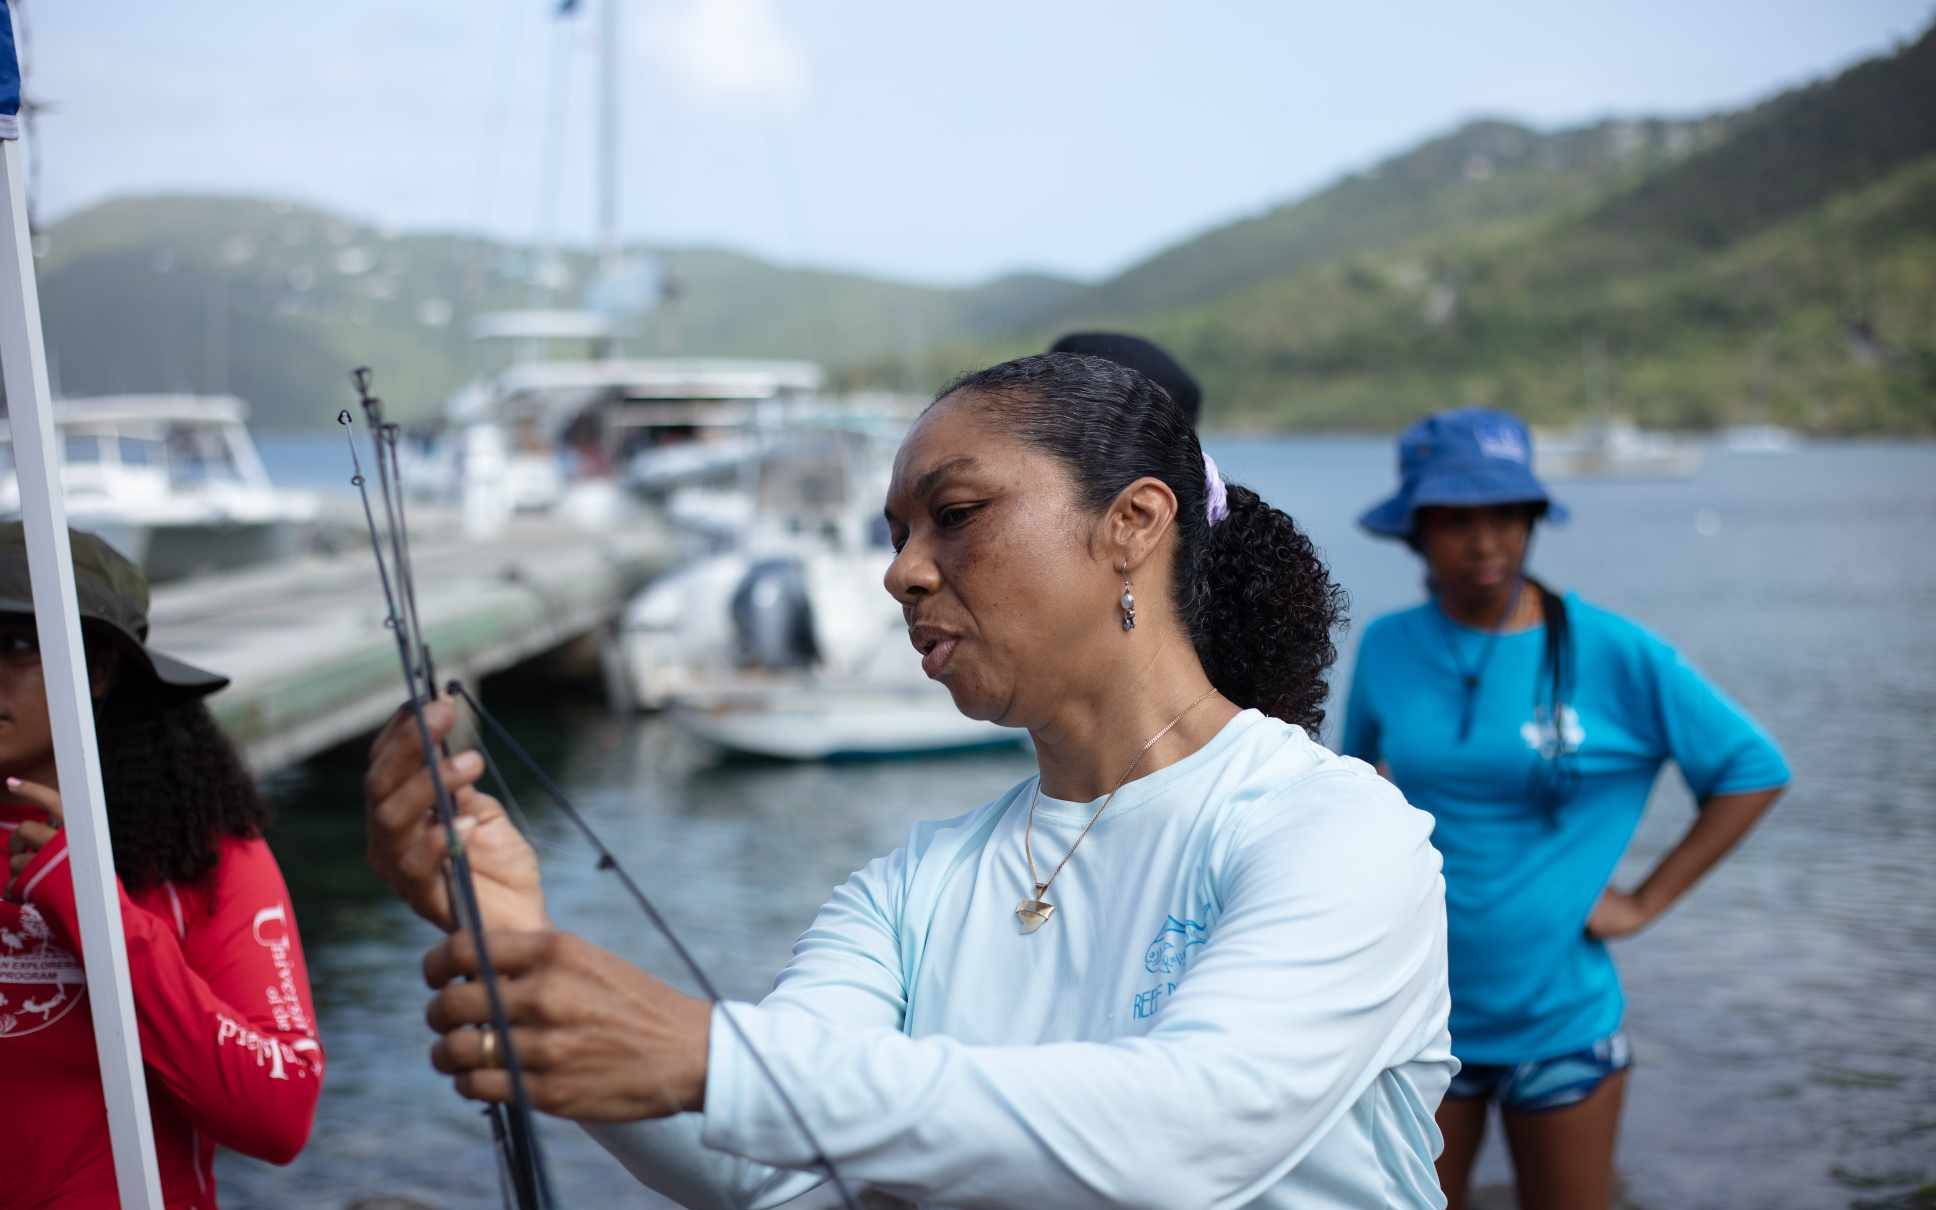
[[1466, 458]]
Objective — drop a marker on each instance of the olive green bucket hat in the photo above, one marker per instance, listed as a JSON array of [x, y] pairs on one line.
[[113, 596]]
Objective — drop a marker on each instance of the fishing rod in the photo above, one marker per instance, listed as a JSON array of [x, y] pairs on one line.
[[610, 862], [522, 1175], [391, 485]]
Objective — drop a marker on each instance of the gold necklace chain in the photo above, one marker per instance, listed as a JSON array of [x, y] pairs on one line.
[[1036, 907]]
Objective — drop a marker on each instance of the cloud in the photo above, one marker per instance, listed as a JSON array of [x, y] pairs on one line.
[[737, 52]]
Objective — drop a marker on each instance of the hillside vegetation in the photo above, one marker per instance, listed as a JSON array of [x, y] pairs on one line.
[[276, 302], [1775, 264]]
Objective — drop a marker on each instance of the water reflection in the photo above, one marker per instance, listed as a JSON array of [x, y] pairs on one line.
[[1781, 1015]]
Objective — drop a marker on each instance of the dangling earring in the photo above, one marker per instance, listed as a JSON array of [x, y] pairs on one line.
[[1129, 604]]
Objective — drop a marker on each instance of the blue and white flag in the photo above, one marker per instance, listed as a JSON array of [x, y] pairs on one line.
[[9, 78]]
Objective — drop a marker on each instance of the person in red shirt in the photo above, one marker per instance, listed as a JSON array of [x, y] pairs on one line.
[[221, 992]]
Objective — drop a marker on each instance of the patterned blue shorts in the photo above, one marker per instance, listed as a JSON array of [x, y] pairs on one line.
[[1547, 1084]]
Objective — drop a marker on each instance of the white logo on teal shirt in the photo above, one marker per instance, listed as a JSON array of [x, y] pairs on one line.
[[1542, 737]]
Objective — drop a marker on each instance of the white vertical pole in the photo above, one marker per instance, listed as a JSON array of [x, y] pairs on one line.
[[23, 361]]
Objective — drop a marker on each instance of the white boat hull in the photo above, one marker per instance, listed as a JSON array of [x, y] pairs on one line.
[[176, 552], [811, 722]]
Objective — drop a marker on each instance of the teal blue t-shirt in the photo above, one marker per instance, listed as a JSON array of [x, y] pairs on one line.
[[1522, 877]]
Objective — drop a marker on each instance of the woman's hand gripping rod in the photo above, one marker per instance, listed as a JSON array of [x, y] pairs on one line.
[[608, 861]]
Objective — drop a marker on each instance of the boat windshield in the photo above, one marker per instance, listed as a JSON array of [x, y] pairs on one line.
[[80, 449], [140, 451], [199, 455]]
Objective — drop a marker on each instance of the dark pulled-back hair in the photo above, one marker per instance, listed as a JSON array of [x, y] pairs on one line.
[[174, 784], [1259, 603]]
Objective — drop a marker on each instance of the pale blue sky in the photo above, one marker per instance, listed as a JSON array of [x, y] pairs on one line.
[[942, 142]]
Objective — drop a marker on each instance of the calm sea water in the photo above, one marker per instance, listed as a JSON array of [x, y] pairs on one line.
[[1782, 1014]]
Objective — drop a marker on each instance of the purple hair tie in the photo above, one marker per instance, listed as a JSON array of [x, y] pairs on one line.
[[1216, 504]]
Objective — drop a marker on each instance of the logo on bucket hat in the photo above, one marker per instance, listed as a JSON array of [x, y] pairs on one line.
[[1505, 442], [1467, 458]]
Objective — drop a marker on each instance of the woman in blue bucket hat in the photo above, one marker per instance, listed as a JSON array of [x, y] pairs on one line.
[[1531, 725]]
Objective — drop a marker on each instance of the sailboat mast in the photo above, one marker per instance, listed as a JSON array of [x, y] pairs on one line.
[[608, 174], [609, 33]]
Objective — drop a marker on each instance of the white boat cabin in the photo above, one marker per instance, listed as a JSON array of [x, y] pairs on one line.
[[179, 467]]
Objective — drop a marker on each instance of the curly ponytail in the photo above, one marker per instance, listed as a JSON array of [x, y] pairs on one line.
[[1263, 612], [1257, 600]]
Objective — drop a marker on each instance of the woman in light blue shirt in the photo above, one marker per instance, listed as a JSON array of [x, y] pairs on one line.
[[1532, 726], [1199, 961]]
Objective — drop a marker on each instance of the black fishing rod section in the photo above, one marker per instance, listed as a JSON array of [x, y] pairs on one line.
[[520, 1157]]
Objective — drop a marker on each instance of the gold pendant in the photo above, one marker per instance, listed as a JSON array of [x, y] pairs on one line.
[[1034, 913]]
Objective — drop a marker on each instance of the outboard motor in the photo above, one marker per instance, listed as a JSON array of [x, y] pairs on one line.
[[773, 617]]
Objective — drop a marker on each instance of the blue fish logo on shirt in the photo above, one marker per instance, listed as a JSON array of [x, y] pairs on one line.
[[1170, 952]]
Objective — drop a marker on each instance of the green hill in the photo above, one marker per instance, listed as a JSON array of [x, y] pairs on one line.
[[276, 301], [1485, 176], [1776, 264], [1791, 154]]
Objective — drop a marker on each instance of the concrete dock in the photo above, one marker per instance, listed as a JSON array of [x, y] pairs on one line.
[[312, 663]]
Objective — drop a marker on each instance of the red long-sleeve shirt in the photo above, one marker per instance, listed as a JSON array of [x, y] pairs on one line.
[[228, 1034]]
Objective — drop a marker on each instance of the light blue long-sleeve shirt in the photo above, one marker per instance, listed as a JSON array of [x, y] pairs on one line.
[[1240, 1001]]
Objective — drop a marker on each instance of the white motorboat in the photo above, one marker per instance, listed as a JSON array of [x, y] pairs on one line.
[[585, 437], [1614, 448], [788, 645], [1760, 439], [171, 481]]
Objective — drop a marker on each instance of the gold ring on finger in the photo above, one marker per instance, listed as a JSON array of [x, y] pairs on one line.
[[489, 1044]]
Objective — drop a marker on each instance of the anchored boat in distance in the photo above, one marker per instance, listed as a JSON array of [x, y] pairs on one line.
[[1614, 448]]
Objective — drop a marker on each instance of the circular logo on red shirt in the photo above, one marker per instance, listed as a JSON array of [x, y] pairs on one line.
[[40, 982]]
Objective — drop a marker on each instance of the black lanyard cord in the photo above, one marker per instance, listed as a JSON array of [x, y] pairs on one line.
[[1469, 678]]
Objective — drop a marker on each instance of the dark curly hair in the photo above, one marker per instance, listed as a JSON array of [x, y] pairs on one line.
[[173, 782], [1258, 601]]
